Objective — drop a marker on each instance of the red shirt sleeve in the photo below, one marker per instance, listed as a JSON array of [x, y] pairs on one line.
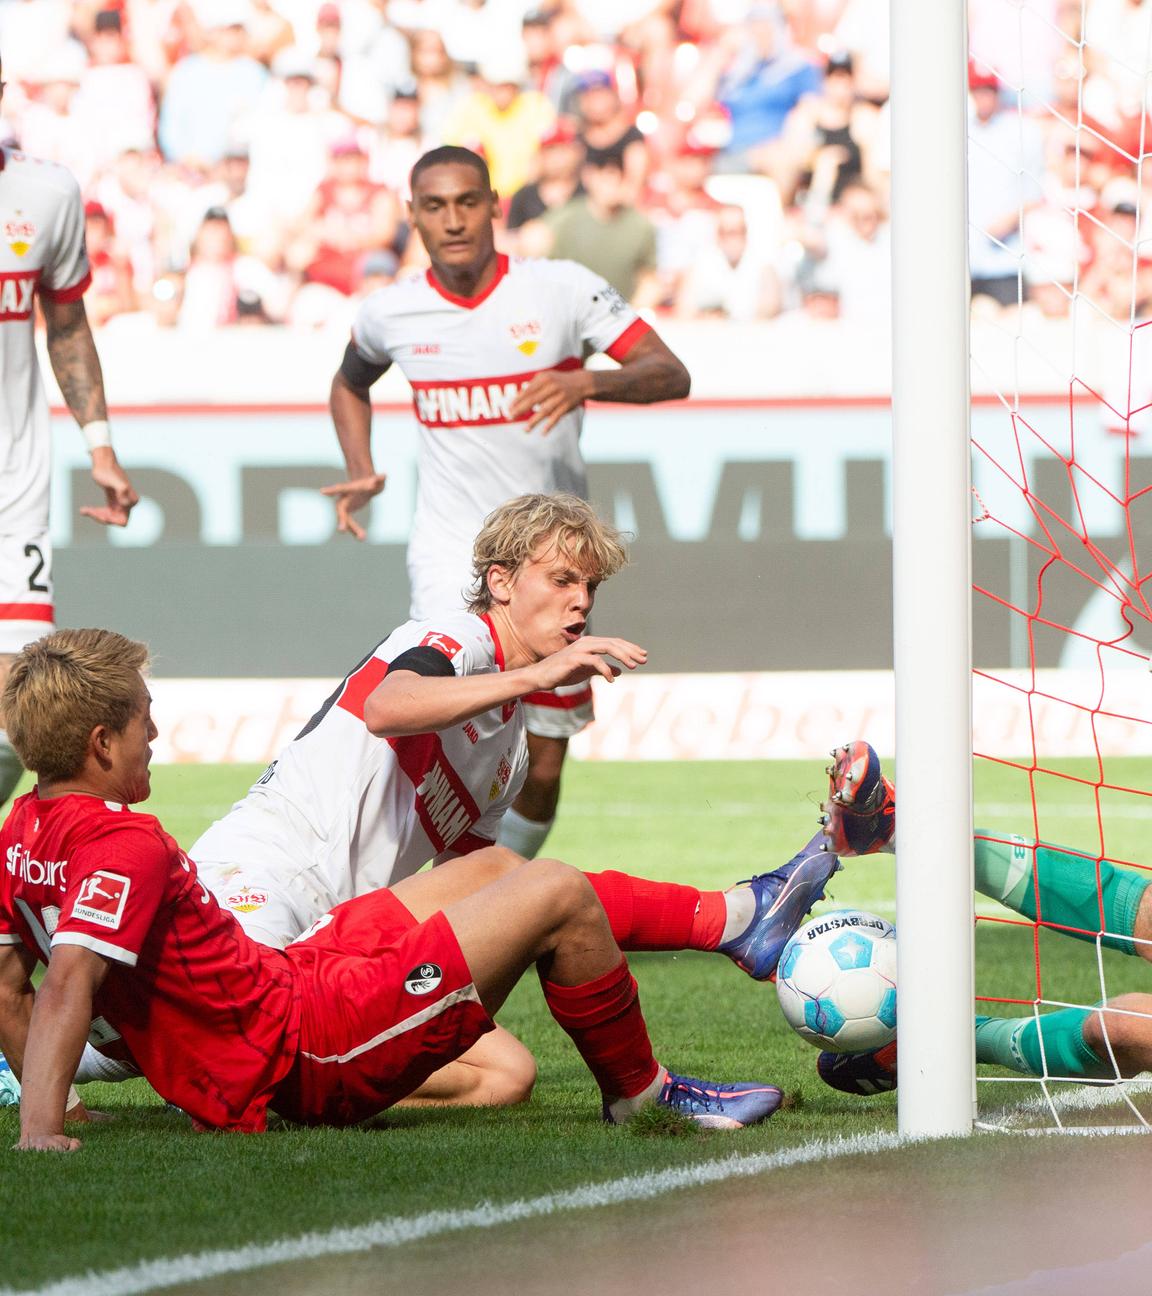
[[116, 883]]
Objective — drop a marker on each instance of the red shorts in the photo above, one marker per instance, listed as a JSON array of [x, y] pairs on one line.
[[385, 1001]]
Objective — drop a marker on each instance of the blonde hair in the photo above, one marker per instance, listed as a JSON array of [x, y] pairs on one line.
[[64, 685], [513, 533]]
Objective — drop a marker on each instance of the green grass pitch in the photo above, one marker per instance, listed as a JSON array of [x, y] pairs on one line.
[[144, 1186]]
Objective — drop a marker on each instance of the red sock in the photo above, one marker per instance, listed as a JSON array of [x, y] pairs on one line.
[[603, 1018], [659, 915]]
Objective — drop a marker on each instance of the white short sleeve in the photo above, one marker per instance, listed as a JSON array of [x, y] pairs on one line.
[[368, 330], [66, 272], [604, 319]]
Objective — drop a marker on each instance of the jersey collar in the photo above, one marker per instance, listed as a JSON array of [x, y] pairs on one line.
[[495, 639], [470, 303]]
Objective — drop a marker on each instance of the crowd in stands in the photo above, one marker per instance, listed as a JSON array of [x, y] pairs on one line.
[[246, 161]]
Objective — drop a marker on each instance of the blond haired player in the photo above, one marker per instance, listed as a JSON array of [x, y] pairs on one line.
[[494, 349], [42, 258], [362, 1008]]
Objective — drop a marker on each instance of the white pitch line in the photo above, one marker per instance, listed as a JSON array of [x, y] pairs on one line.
[[152, 1275]]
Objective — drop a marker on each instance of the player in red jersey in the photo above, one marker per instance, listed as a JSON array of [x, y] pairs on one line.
[[494, 350], [42, 258], [381, 992]]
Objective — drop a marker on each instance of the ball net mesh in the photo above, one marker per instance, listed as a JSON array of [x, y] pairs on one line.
[[1060, 181]]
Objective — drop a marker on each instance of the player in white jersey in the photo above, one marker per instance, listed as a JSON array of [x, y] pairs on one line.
[[42, 257], [419, 751], [494, 350]]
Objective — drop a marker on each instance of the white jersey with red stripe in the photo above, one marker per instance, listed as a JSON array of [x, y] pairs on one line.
[[466, 359], [42, 251], [341, 812]]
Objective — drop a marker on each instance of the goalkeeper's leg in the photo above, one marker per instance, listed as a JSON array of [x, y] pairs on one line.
[[1101, 1043], [1076, 895]]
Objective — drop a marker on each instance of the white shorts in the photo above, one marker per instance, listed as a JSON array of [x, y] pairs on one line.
[[273, 911], [26, 610]]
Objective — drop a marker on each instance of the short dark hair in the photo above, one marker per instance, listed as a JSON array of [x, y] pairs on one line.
[[451, 155]]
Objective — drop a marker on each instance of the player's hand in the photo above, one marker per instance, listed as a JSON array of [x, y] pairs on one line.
[[119, 496], [351, 496], [549, 396], [46, 1143], [588, 656]]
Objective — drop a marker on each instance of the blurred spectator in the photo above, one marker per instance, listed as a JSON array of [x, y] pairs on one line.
[[217, 275], [756, 75], [208, 92], [1005, 157], [110, 292], [608, 130], [685, 215], [729, 278], [375, 61], [825, 139], [33, 32], [604, 232], [395, 146], [1110, 280], [850, 258], [544, 54], [125, 192], [48, 127], [557, 178], [269, 31], [863, 30], [349, 218], [114, 100], [439, 83], [290, 137], [644, 29], [502, 121]]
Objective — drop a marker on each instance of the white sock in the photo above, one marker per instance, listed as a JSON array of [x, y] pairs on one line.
[[524, 836], [95, 1066], [623, 1109], [740, 907], [10, 768]]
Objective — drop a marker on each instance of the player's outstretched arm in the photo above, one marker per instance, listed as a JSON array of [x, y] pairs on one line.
[[72, 353], [406, 703], [350, 404], [649, 372], [60, 1022]]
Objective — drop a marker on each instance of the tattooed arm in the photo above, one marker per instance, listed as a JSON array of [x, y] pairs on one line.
[[76, 365]]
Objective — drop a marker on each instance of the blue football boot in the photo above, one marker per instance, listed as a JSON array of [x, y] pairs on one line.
[[860, 1073], [783, 897], [716, 1106]]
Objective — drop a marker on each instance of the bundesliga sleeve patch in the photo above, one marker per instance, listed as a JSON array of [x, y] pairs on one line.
[[442, 643], [101, 899]]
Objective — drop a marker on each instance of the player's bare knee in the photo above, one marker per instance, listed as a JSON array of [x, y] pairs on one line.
[[495, 862], [512, 1082], [570, 894]]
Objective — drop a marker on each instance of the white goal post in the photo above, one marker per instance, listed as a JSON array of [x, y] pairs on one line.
[[932, 567]]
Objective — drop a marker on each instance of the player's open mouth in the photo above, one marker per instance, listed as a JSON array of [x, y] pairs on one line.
[[574, 631]]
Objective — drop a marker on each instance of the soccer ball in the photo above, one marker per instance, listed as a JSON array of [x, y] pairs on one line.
[[837, 981]]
